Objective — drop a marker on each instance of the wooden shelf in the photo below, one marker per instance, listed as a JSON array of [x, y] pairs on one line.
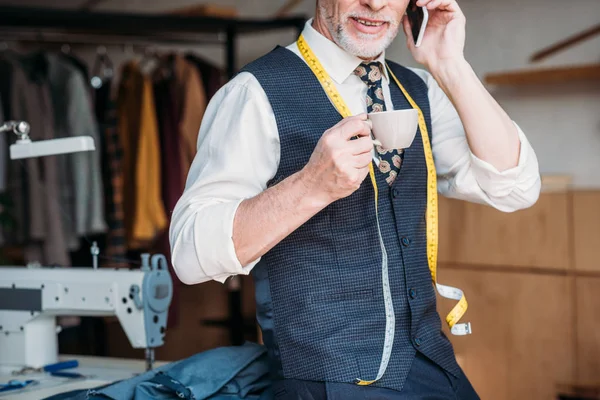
[[545, 76]]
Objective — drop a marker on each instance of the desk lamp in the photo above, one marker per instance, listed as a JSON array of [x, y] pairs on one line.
[[25, 148]]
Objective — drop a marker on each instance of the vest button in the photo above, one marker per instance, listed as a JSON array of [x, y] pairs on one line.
[[405, 241], [412, 293], [418, 341], [395, 193]]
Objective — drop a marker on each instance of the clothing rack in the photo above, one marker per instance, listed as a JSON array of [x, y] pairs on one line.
[[63, 26], [152, 28], [75, 38]]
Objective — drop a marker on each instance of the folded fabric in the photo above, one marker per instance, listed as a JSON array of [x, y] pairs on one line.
[[224, 373]]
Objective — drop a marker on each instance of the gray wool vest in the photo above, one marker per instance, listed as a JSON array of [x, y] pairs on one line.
[[319, 291]]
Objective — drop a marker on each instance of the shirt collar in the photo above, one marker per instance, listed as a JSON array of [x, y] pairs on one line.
[[338, 63]]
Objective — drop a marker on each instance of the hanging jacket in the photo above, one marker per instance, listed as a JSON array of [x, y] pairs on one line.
[[115, 248], [145, 216], [82, 189], [213, 78], [34, 183], [191, 99]]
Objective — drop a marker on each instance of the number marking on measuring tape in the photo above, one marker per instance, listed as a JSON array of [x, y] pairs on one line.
[[431, 216]]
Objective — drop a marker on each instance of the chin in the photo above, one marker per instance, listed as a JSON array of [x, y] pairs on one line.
[[365, 45]]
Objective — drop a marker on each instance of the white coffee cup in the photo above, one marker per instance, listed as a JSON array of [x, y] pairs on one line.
[[394, 129]]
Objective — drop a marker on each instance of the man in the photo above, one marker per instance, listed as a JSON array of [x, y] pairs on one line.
[[280, 187]]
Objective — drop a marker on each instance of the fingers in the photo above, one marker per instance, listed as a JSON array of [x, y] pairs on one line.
[[361, 145], [349, 120], [449, 5], [354, 126], [425, 3], [433, 4], [363, 160]]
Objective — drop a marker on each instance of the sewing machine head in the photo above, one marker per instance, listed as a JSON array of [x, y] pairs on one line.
[[32, 297]]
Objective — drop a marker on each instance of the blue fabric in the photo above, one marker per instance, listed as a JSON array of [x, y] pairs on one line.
[[225, 373], [79, 394], [425, 381], [319, 292], [162, 382]]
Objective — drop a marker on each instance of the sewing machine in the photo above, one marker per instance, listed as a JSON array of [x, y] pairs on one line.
[[32, 297]]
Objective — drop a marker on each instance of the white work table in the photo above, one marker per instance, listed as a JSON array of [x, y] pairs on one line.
[[98, 371]]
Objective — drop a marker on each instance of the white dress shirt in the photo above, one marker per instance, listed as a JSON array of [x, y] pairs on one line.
[[238, 153]]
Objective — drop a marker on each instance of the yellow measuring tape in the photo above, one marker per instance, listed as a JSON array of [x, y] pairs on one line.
[[432, 202], [432, 219]]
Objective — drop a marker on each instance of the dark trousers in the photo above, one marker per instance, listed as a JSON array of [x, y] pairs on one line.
[[426, 381]]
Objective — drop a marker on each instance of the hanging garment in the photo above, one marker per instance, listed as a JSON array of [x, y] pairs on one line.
[[5, 82], [77, 63], [81, 187], [168, 112], [3, 151], [191, 98], [213, 78], [112, 167], [6, 217], [4, 212], [13, 80], [145, 216], [35, 182]]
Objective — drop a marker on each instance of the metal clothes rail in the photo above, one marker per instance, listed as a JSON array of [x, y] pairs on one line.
[[152, 28]]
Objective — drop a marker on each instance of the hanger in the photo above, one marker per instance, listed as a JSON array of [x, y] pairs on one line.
[[128, 49], [103, 68], [149, 60]]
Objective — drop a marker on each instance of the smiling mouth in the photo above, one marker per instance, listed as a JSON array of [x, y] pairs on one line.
[[368, 23]]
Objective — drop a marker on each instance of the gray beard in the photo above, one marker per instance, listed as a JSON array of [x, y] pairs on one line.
[[367, 48]]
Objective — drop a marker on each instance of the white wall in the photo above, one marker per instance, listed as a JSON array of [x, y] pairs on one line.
[[562, 121]]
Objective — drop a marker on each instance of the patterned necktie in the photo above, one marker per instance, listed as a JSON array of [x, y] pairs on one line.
[[390, 159]]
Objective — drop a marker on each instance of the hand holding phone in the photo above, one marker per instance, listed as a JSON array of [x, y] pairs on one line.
[[418, 17]]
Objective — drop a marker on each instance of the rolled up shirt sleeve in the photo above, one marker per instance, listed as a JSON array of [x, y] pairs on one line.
[[464, 176], [238, 153]]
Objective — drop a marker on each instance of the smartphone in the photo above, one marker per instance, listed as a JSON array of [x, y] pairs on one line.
[[418, 17]]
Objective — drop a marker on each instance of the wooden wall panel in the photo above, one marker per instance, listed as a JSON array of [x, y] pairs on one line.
[[197, 303], [588, 330], [586, 219], [480, 235], [523, 339]]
